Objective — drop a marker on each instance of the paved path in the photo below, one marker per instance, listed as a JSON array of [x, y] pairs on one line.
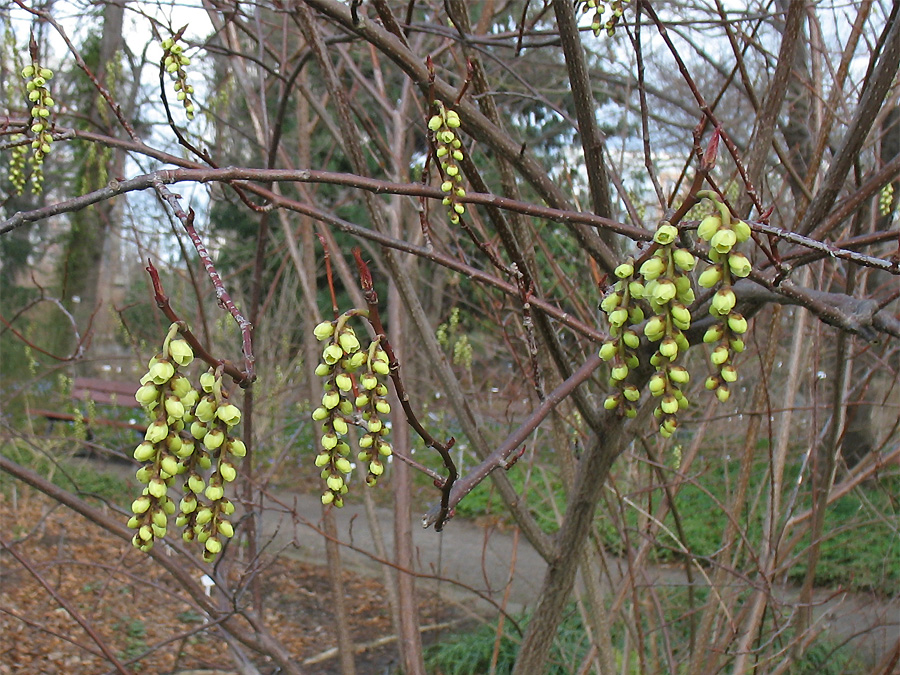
[[481, 558]]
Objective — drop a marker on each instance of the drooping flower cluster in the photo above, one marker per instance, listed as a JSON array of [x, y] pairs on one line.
[[662, 285], [347, 401], [623, 312], [188, 436], [886, 199], [174, 62], [616, 8], [17, 164], [723, 233], [41, 103], [449, 152]]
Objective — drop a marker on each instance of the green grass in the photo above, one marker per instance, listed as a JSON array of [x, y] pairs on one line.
[[50, 461], [847, 560], [471, 651]]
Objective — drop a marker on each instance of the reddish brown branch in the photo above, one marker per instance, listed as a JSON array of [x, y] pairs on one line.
[[500, 458], [225, 301]]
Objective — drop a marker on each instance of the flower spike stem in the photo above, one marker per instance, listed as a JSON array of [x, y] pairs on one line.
[[443, 449], [162, 301]]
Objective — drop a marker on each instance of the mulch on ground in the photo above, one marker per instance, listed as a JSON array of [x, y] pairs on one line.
[[141, 613]]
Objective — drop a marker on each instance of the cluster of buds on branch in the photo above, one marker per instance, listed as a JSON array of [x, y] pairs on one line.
[[354, 394], [722, 233], [448, 150], [41, 102], [189, 435], [174, 62], [616, 7], [663, 284]]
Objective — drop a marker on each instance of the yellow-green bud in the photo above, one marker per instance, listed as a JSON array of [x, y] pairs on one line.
[[157, 488], [226, 529], [382, 407], [181, 352], [320, 414], [741, 231], [669, 404], [174, 407], [711, 276], [343, 382], [737, 323], [618, 317], [435, 122], [376, 468], [610, 302], [214, 439], [156, 432], [229, 413], [334, 482], [205, 410], [714, 333], [208, 381], [684, 259], [140, 505], [343, 465], [198, 430], [664, 291], [719, 355], [723, 301], [349, 342], [327, 498], [214, 492], [332, 354], [227, 472], [708, 227], [652, 268], [611, 402], [324, 330], [323, 370], [331, 400], [657, 384], [723, 240], [329, 441], [624, 270], [655, 328], [340, 426], [729, 373], [374, 425], [145, 451], [665, 234], [366, 441], [322, 459], [147, 394], [170, 465], [723, 394], [161, 372], [739, 265], [679, 375], [619, 373], [668, 348]]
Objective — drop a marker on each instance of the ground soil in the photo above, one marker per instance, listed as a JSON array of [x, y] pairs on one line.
[[132, 605]]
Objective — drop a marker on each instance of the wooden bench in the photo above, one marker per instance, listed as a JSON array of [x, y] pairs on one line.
[[100, 392]]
